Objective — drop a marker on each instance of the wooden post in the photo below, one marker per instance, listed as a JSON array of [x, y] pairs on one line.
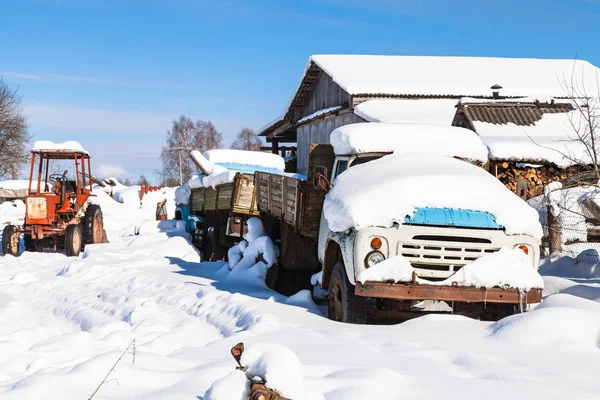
[[554, 231], [275, 146]]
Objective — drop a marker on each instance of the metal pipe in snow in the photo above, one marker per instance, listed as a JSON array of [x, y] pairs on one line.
[[202, 162]]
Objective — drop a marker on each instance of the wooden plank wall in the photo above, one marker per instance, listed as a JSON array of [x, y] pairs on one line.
[[325, 94], [278, 196]]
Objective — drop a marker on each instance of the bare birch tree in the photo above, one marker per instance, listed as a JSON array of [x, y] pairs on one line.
[[569, 211], [14, 136], [247, 140], [184, 136]]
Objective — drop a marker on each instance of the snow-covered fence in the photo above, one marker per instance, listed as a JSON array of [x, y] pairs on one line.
[[570, 218]]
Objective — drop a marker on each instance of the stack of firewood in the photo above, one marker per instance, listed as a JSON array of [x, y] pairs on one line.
[[537, 177]]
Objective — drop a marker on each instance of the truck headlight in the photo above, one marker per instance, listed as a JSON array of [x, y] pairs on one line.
[[373, 258]]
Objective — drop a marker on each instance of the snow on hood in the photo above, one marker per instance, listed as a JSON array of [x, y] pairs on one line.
[[385, 191], [45, 145], [408, 139]]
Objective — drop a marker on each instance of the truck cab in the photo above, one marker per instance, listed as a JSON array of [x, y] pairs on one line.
[[437, 242]]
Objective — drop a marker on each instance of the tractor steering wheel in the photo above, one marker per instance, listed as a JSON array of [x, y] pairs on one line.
[[57, 177]]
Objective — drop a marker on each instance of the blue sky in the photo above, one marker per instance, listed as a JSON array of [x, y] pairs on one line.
[[113, 74]]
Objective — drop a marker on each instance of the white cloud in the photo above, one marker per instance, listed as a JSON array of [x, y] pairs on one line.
[[107, 171]]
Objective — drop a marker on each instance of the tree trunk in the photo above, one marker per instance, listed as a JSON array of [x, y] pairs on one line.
[[554, 232]]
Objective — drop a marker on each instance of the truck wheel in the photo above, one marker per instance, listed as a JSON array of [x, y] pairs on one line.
[[344, 305], [73, 240], [10, 240], [93, 225]]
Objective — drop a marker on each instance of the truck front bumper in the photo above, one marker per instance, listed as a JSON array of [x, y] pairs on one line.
[[419, 292]]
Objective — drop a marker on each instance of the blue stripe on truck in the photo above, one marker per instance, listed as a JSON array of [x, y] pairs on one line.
[[452, 217]]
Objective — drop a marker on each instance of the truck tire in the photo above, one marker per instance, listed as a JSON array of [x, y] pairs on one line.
[[73, 240], [92, 225], [10, 240], [344, 305]]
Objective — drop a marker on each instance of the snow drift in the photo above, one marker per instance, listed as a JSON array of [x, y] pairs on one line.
[[255, 254]]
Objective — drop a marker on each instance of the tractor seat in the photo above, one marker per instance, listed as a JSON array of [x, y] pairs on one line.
[[70, 186]]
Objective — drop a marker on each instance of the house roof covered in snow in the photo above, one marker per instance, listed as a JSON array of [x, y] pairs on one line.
[[421, 111], [365, 77], [528, 130]]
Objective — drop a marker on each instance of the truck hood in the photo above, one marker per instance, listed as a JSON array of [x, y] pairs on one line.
[[390, 190]]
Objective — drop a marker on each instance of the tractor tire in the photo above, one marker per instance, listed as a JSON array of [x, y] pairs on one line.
[[344, 305], [33, 245], [92, 225], [73, 240], [10, 240]]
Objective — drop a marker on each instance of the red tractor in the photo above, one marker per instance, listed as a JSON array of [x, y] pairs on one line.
[[58, 213]]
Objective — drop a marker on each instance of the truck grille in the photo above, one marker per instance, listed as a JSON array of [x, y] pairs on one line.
[[438, 257]]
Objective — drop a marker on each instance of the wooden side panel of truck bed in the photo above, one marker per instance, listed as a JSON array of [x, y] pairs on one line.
[[278, 196], [238, 197], [292, 200]]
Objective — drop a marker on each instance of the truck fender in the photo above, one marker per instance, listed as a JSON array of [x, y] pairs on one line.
[[336, 250]]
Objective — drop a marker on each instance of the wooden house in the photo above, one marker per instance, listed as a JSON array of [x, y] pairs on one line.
[[531, 141], [336, 90]]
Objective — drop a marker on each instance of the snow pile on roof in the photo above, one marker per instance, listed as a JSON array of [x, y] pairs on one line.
[[47, 146], [254, 255], [424, 111], [128, 195], [408, 139], [19, 184], [552, 139], [458, 76], [245, 157], [384, 191], [505, 268], [319, 113], [19, 188]]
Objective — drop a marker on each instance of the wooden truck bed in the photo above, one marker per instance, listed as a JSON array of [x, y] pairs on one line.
[[238, 197], [292, 200]]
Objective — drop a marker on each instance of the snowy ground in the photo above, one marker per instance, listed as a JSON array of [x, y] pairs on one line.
[[65, 321]]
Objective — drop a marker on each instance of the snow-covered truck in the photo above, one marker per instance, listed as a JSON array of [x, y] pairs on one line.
[[216, 203], [396, 215]]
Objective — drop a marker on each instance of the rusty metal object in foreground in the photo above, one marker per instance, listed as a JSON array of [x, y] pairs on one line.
[[258, 390], [413, 291]]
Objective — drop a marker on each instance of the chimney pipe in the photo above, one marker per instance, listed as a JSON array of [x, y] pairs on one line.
[[496, 91]]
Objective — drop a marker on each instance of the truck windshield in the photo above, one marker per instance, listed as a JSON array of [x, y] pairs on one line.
[[365, 159]]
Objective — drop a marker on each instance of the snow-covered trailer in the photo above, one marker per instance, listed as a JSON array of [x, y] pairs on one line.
[[217, 202]]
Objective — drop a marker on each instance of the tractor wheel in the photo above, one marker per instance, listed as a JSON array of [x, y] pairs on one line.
[[10, 240], [31, 244], [73, 240], [93, 225], [344, 305]]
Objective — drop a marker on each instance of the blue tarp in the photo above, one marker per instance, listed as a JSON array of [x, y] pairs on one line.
[[452, 217], [247, 168]]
